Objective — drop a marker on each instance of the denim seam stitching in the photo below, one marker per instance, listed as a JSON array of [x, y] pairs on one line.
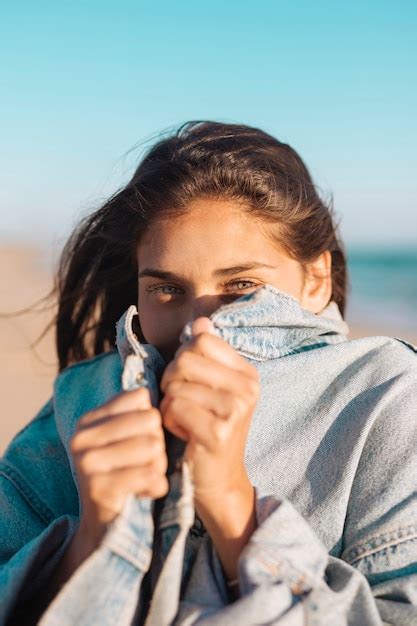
[[291, 573], [390, 539]]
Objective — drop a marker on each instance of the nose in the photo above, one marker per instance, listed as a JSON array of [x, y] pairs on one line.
[[204, 306]]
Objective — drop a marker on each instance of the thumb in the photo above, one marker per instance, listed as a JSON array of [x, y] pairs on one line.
[[202, 325]]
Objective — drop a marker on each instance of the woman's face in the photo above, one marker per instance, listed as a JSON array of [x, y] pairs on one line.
[[191, 265]]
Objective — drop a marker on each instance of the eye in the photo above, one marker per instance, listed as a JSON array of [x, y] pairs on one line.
[[241, 285], [164, 289], [164, 293]]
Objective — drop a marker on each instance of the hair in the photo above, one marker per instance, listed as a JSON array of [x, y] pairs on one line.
[[96, 278]]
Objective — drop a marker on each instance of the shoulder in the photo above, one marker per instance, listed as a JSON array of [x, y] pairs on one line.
[[103, 364], [351, 369], [380, 357], [42, 426], [383, 370], [391, 363], [33, 470], [399, 344], [101, 373]]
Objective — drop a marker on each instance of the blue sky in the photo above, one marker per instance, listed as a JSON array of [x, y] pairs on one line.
[[82, 83]]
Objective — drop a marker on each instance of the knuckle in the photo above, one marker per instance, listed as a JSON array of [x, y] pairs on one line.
[[155, 447], [183, 359], [148, 447], [238, 404], [141, 391], [201, 340], [151, 473], [86, 461], [161, 487], [155, 489], [143, 394], [171, 406], [161, 463], [75, 443], [161, 449], [175, 407], [150, 413], [154, 418], [220, 433], [173, 387], [166, 419], [84, 419]]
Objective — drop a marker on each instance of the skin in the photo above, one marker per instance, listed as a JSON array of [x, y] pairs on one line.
[[214, 235], [209, 390]]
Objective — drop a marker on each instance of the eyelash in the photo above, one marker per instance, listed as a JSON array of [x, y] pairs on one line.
[[156, 288]]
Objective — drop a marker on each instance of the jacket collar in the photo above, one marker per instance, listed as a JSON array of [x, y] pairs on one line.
[[265, 324]]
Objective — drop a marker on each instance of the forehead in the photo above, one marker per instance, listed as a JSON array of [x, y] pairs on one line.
[[210, 230]]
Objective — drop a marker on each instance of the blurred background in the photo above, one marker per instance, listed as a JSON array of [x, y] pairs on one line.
[[86, 86]]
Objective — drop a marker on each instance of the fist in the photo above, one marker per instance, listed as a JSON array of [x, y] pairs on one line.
[[118, 448]]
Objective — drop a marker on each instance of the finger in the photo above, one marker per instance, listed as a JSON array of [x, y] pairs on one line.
[[131, 400], [134, 452], [218, 401], [219, 350], [193, 367], [113, 428], [196, 422], [202, 325], [111, 489]]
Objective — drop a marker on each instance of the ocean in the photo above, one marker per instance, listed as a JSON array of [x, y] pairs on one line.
[[383, 288], [383, 284]]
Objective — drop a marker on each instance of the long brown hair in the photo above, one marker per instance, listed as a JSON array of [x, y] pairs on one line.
[[96, 278]]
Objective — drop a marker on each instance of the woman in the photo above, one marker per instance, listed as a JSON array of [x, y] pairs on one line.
[[266, 472]]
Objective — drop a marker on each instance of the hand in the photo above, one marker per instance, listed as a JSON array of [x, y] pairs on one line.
[[118, 448], [210, 393], [210, 396]]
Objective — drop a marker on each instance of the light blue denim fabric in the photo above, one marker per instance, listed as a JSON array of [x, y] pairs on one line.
[[331, 451]]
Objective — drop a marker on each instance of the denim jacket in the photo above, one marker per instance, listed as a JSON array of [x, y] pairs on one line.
[[331, 452]]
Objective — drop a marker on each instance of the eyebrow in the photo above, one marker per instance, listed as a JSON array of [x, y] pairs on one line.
[[225, 271]]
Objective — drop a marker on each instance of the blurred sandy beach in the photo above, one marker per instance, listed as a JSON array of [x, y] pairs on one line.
[[27, 374]]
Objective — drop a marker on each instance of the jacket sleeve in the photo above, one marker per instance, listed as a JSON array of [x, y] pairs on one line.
[[39, 514], [105, 588], [34, 530], [287, 577]]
